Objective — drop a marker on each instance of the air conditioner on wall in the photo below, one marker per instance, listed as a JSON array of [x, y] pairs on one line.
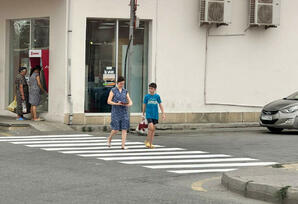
[[264, 13], [216, 11]]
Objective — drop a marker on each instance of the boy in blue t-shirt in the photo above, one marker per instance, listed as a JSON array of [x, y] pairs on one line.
[[150, 106]]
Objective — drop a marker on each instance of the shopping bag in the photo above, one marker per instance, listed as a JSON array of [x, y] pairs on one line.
[[24, 107], [142, 127], [13, 105]]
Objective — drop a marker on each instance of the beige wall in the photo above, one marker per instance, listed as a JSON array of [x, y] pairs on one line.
[[250, 69], [56, 10], [244, 68], [257, 66]]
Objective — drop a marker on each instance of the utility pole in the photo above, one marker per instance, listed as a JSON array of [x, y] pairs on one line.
[[132, 25], [133, 9]]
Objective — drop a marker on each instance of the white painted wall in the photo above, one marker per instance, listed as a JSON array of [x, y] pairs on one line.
[[245, 71], [249, 70], [56, 10], [257, 67]]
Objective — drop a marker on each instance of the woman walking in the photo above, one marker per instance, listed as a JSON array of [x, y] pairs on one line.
[[22, 94], [34, 91], [120, 100]]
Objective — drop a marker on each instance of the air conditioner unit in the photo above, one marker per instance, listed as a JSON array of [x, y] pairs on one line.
[[216, 11], [264, 13]]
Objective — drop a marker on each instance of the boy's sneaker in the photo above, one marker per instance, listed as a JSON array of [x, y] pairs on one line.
[[20, 119], [151, 147], [147, 144]]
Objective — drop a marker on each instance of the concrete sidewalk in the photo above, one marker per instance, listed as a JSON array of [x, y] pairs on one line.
[[10, 124], [276, 185], [162, 127]]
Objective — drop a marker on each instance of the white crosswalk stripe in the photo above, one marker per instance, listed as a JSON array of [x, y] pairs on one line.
[[51, 139], [47, 136], [81, 144], [62, 141], [189, 161], [202, 171], [117, 147], [122, 151], [173, 160], [143, 153], [165, 157], [210, 165]]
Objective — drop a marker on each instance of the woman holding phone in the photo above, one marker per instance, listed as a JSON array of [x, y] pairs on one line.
[[120, 100]]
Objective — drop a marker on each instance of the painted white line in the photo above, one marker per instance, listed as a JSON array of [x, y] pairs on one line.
[[165, 157], [190, 161], [96, 148], [82, 144], [183, 166], [127, 150], [46, 136], [62, 141], [52, 138], [142, 153], [201, 171]]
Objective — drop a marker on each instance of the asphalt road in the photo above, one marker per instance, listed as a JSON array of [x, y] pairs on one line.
[[32, 175]]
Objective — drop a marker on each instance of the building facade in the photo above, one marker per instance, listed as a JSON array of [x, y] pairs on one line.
[[204, 73]]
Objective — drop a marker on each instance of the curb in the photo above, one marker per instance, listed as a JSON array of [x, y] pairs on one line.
[[207, 125], [12, 126], [170, 127], [260, 191], [35, 126]]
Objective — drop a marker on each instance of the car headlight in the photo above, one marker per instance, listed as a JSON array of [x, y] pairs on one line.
[[290, 109]]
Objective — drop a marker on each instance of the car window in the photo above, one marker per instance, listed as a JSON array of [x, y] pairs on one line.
[[293, 96]]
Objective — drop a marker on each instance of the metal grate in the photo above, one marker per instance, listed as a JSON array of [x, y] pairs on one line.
[[252, 18], [215, 11], [269, 122], [266, 1], [203, 9], [269, 112], [265, 14]]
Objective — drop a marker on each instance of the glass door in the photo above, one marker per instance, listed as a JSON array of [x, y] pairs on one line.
[[106, 49], [26, 35], [100, 60]]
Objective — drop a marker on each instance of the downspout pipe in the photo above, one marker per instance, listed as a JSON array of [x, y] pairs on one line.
[[68, 57]]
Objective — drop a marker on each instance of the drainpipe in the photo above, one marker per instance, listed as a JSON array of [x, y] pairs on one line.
[[68, 41]]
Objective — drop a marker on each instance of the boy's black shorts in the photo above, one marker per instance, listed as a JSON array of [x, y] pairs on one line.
[[154, 121]]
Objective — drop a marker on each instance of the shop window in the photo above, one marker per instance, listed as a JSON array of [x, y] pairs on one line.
[[106, 49], [29, 35], [40, 33]]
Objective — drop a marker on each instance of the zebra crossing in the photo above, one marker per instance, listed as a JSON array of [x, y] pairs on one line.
[[171, 159]]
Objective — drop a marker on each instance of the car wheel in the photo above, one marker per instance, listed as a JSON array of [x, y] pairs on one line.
[[275, 130]]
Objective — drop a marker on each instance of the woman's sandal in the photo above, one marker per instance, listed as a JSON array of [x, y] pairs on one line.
[[124, 148]]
